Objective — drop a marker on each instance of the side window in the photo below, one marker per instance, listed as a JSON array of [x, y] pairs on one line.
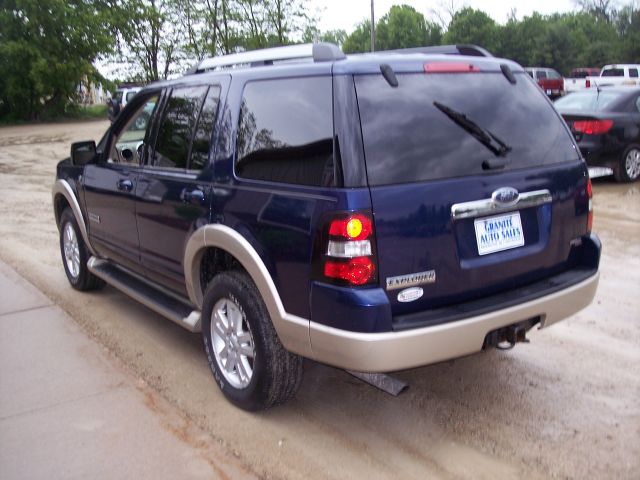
[[178, 123], [285, 132], [204, 130], [542, 74], [633, 72], [128, 146]]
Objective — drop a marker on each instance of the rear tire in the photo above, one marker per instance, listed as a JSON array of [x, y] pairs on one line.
[[628, 168], [75, 254], [250, 365]]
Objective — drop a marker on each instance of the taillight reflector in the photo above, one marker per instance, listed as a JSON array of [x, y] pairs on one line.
[[356, 271], [592, 127], [450, 67]]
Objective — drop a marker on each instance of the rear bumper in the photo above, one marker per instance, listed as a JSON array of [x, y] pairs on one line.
[[390, 351]]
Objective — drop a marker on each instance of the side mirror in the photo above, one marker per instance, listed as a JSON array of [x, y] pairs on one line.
[[83, 152]]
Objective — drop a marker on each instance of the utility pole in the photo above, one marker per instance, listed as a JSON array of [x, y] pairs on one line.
[[373, 29]]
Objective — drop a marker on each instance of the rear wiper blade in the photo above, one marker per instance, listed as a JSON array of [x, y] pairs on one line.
[[484, 136]]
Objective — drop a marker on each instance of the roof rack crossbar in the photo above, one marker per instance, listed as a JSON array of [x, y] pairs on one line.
[[462, 49], [317, 52]]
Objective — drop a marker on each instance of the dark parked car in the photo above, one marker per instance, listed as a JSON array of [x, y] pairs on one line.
[[365, 212], [606, 124]]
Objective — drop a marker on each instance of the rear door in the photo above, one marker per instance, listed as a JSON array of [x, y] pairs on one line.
[[174, 188], [459, 218]]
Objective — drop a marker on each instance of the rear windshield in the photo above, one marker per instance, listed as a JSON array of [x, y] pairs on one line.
[[408, 139], [587, 101]]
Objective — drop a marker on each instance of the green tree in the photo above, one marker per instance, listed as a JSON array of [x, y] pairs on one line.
[[313, 34], [359, 40], [628, 27], [46, 48], [473, 26], [404, 27]]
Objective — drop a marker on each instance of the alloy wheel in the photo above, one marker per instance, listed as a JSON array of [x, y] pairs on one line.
[[232, 343]]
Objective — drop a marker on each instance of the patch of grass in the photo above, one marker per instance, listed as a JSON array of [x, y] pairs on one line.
[[87, 112], [72, 112]]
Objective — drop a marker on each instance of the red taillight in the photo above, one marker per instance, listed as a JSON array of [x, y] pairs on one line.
[[355, 271], [349, 255], [354, 227], [587, 83], [593, 127], [590, 213], [450, 67]]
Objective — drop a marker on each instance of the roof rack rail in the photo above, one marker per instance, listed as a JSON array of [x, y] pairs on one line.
[[317, 52], [463, 49]]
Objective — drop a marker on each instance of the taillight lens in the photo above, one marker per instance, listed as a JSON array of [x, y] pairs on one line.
[[349, 253], [587, 83], [590, 213], [355, 271], [354, 227], [593, 127]]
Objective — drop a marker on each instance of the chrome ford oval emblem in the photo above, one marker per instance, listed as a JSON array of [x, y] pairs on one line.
[[505, 196], [410, 294]]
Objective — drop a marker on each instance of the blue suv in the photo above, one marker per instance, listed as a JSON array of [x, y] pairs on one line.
[[374, 212]]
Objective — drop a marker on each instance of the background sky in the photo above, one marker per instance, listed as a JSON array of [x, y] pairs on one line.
[[346, 14]]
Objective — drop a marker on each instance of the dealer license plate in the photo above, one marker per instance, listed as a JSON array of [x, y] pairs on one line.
[[502, 232]]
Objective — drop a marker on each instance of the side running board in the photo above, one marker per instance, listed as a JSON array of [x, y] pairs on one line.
[[144, 292]]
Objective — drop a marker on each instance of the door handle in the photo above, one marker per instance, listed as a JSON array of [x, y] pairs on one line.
[[192, 196], [124, 185]]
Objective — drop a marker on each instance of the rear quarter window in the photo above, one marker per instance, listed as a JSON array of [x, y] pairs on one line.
[[285, 131], [408, 139]]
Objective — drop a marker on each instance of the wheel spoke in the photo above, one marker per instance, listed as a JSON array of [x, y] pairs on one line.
[[231, 364], [244, 374]]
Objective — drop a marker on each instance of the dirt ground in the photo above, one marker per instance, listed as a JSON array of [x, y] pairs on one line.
[[567, 405]]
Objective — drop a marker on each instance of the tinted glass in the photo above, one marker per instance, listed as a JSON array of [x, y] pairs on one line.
[[129, 145], [130, 95], [408, 139], [592, 100], [542, 74], [117, 96], [285, 133], [553, 74], [178, 123], [579, 74], [633, 72], [204, 130], [613, 72]]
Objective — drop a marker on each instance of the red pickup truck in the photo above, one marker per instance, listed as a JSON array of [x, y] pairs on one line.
[[549, 80]]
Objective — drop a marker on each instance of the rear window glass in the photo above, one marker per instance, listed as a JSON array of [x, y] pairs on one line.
[[587, 100], [633, 72], [174, 135], [117, 96], [285, 132], [613, 72], [407, 138]]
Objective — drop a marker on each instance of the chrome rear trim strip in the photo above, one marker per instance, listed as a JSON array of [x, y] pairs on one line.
[[488, 206]]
